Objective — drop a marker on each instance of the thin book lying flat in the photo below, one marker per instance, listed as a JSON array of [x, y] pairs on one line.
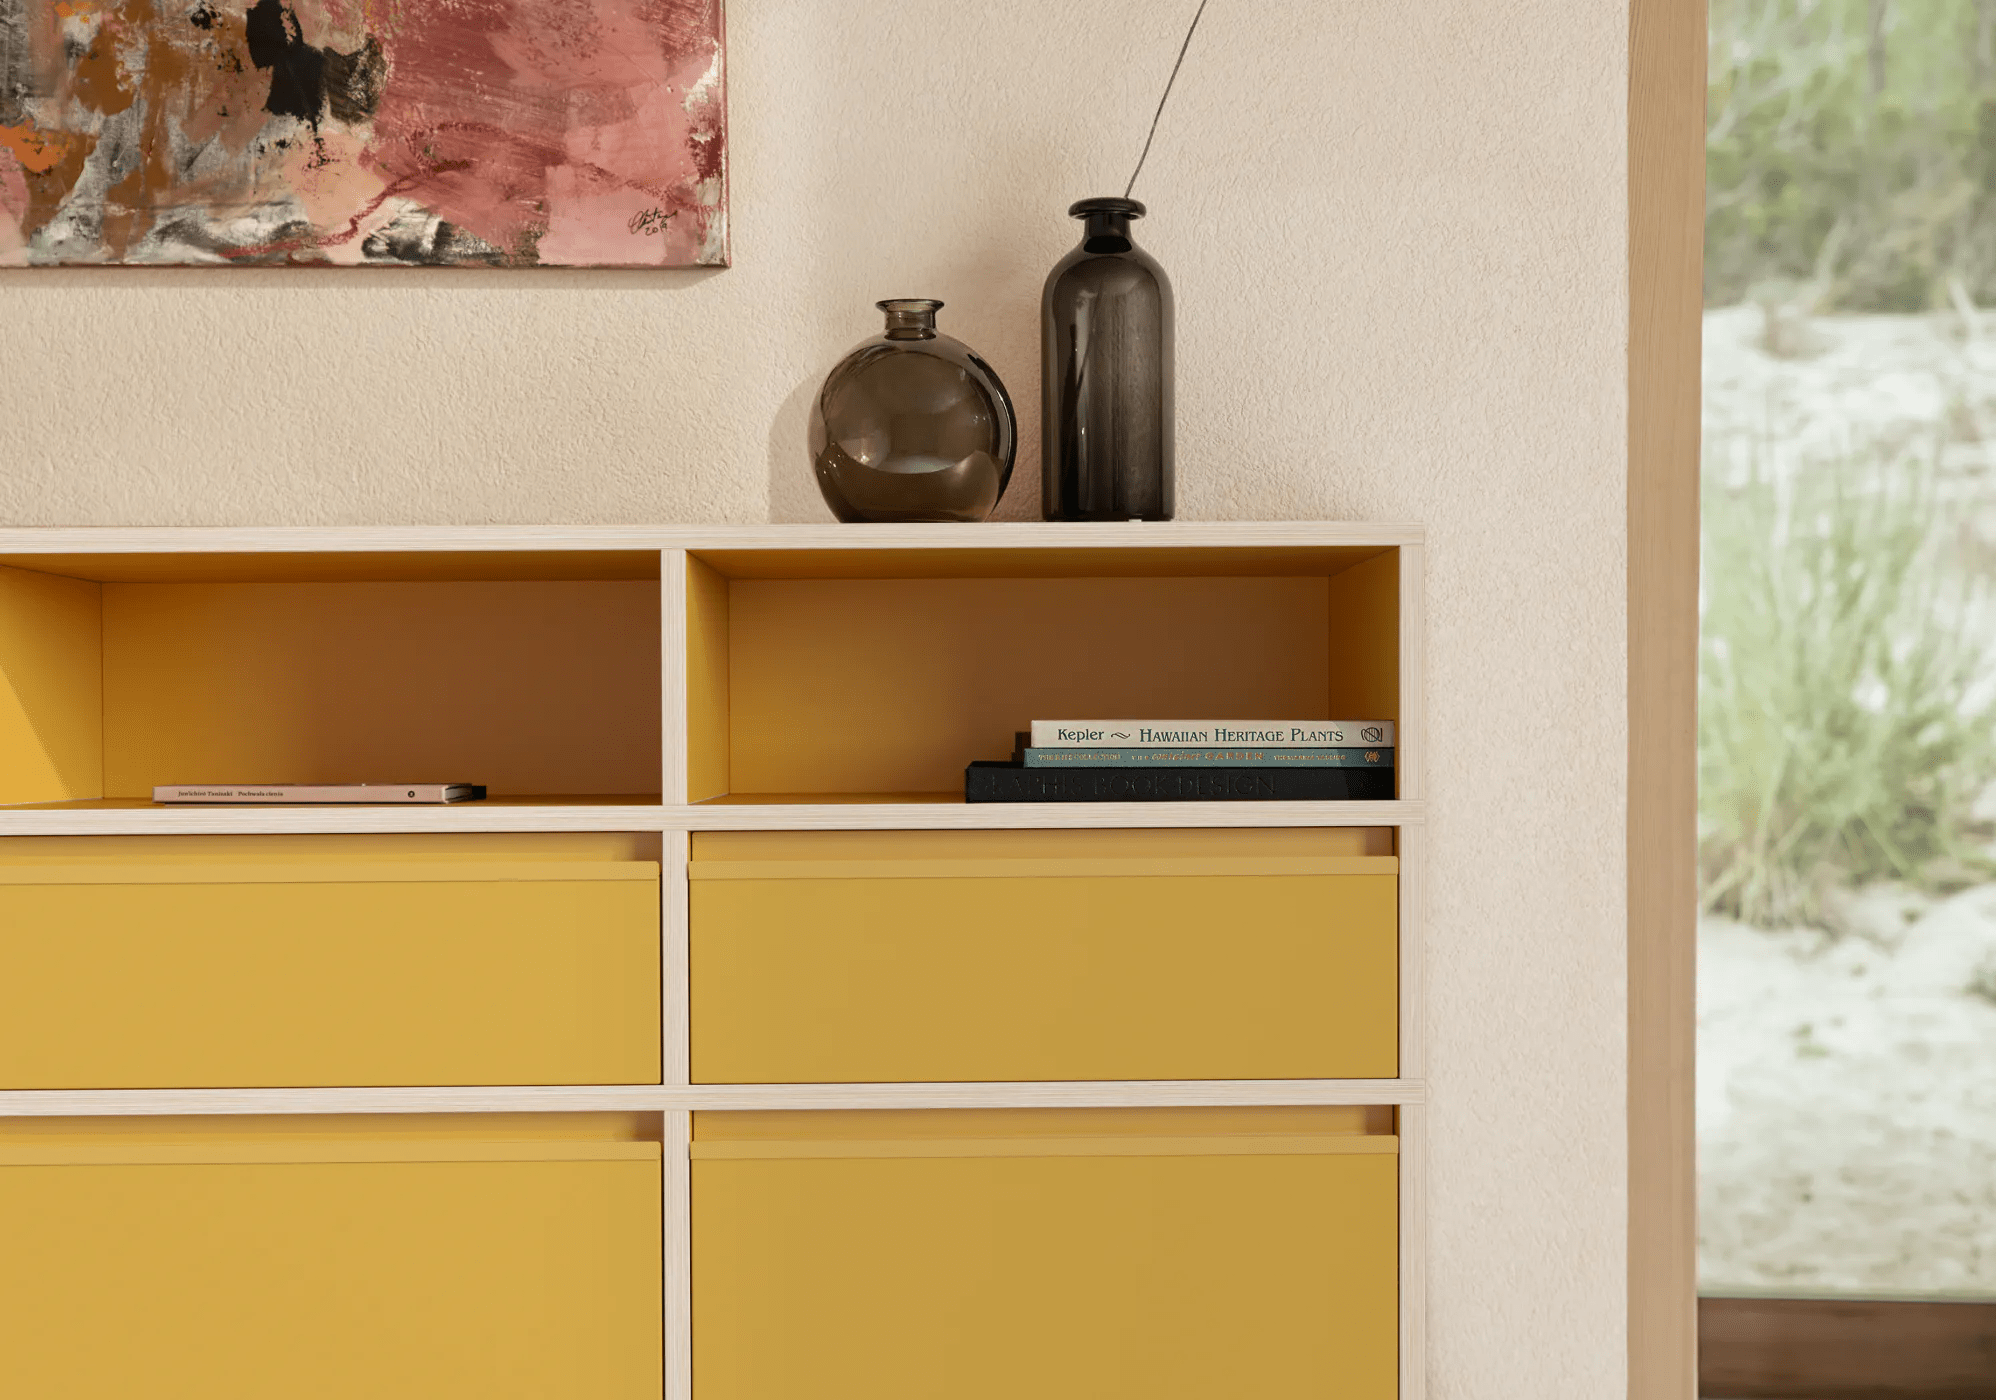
[[1208, 734], [403, 794]]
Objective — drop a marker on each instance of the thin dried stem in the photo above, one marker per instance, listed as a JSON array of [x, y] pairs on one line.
[[1164, 99]]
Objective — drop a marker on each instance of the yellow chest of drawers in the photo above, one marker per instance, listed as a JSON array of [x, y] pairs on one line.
[[724, 1053]]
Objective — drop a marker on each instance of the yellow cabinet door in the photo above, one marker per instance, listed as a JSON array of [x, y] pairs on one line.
[[1115, 956], [256, 1265], [240, 972], [1175, 1255]]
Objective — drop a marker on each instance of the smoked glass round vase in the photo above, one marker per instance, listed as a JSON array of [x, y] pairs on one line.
[[912, 425]]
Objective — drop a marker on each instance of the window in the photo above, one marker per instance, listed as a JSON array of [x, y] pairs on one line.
[[1847, 730]]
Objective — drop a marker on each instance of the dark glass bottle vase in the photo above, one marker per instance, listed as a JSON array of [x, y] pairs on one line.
[[1106, 372], [912, 425]]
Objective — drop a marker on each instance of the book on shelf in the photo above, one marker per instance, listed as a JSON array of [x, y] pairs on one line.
[[1210, 734], [401, 794], [1208, 758], [1014, 782]]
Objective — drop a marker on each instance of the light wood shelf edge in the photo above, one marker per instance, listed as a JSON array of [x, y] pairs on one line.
[[1412, 753], [651, 1098], [245, 821], [678, 1255], [1000, 816], [1413, 848], [1413, 1129], [801, 816], [675, 986], [416, 538], [672, 679]]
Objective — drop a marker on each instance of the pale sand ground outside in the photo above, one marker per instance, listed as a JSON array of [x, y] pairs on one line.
[[1847, 1086]]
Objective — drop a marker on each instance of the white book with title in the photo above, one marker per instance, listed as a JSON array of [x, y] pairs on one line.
[[1208, 733]]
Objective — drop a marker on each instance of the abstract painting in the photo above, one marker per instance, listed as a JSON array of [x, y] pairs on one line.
[[492, 133]]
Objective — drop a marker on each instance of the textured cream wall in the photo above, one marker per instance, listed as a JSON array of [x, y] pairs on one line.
[[1397, 237]]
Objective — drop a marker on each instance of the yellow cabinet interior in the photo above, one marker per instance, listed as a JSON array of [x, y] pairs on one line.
[[174, 962], [1069, 1255], [882, 673], [502, 1258], [893, 956], [130, 676]]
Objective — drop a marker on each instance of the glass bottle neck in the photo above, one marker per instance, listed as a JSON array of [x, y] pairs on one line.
[[911, 320], [1106, 231]]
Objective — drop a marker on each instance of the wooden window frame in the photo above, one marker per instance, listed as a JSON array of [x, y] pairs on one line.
[[1666, 123]]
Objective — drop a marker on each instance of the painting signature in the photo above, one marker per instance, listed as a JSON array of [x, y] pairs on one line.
[[650, 221]]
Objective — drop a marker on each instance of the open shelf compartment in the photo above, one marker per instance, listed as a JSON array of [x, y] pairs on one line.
[[875, 675], [534, 673]]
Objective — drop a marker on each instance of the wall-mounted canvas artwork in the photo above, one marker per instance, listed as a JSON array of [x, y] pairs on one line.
[[500, 133]]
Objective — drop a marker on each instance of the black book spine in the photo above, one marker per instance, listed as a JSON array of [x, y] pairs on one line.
[[1007, 782]]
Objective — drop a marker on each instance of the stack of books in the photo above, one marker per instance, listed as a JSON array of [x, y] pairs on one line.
[[1191, 761]]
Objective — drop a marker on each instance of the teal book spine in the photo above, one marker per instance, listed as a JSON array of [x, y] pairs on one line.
[[1209, 758]]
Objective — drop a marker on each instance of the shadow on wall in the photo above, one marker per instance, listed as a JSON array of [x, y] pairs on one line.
[[793, 492]]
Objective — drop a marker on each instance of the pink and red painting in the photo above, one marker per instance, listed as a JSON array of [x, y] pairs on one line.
[[492, 133]]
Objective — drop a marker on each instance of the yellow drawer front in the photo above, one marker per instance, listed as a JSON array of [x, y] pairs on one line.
[[399, 1270], [1170, 1262], [192, 975], [1172, 966]]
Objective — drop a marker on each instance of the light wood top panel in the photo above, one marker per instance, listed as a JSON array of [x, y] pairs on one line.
[[335, 850], [372, 566], [1044, 561], [1174, 534], [947, 813]]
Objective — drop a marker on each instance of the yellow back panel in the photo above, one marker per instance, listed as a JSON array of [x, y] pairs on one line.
[[527, 688], [893, 685]]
